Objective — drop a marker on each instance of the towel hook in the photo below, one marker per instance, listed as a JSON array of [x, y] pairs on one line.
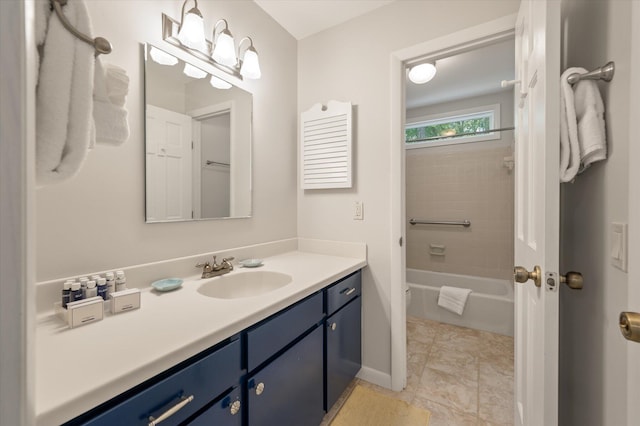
[[100, 44], [603, 73]]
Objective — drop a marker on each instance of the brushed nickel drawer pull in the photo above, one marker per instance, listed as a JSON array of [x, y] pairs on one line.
[[171, 411], [349, 291]]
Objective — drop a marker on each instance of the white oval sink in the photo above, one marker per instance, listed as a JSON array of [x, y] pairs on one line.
[[236, 285]]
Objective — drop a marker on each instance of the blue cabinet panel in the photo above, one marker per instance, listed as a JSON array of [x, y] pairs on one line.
[[344, 353], [281, 329], [343, 291], [204, 380], [289, 390], [222, 413]]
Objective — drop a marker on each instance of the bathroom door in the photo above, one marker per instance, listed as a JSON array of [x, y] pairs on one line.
[[537, 210]]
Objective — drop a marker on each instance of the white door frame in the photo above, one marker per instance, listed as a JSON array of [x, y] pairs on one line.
[[633, 349], [17, 212], [466, 39]]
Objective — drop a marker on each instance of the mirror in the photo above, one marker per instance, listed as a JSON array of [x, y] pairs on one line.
[[197, 142]]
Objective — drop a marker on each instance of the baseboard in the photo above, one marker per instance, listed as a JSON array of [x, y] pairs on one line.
[[375, 376]]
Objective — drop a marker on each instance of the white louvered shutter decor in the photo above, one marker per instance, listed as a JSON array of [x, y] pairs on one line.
[[325, 146]]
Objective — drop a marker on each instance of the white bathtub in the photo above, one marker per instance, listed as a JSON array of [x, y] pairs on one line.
[[489, 306]]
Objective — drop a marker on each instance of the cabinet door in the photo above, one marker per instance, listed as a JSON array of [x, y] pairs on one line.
[[226, 412], [344, 353], [289, 390]]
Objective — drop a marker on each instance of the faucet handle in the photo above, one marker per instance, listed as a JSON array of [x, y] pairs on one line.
[[227, 259], [202, 265]]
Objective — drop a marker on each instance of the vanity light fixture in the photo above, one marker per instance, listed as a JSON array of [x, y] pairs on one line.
[[161, 57], [219, 83], [249, 64], [191, 29], [194, 72], [422, 73], [224, 50], [221, 52]]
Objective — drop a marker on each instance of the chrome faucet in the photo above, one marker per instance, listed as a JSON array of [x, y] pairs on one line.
[[210, 270]]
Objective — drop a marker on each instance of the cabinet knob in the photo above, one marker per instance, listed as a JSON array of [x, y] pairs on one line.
[[260, 388], [333, 326], [235, 408]]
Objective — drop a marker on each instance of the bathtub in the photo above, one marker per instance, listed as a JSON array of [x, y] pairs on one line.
[[489, 306]]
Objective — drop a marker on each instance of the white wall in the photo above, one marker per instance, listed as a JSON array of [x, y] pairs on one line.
[[95, 221], [592, 352], [351, 62]]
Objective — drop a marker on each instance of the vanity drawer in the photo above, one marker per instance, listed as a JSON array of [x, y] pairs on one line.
[[343, 291], [205, 379], [278, 331], [226, 412]]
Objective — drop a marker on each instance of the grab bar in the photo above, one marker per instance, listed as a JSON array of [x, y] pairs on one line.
[[464, 223]]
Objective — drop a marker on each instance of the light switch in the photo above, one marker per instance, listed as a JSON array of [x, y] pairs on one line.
[[619, 245], [358, 212]]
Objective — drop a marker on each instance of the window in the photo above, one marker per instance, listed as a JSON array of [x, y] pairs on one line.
[[453, 127]]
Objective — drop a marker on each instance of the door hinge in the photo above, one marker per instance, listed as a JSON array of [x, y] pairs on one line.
[[400, 242], [192, 214]]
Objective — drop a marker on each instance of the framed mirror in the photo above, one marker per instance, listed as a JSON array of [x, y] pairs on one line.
[[197, 142]]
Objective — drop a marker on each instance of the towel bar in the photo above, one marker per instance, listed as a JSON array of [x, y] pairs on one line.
[[100, 44], [603, 73]]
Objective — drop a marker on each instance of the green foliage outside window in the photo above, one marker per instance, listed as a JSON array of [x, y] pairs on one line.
[[447, 130]]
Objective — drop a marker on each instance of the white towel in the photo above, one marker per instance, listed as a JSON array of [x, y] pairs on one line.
[[453, 299], [64, 95], [582, 128], [110, 89]]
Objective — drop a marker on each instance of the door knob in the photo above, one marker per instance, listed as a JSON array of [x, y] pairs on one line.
[[521, 275], [630, 326], [573, 279]]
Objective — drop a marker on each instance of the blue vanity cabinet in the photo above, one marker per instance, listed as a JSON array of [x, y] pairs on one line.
[[289, 390], [185, 390], [343, 336], [226, 412]]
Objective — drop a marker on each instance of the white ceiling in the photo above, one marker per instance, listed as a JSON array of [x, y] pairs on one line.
[[468, 74], [474, 73], [302, 18]]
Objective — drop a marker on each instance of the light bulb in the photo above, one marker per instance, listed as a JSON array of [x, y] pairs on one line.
[[191, 32], [162, 57], [422, 73], [219, 83], [194, 72], [250, 65], [224, 51]]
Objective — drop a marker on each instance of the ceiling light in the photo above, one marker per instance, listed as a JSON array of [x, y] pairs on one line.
[[250, 67], [219, 83], [161, 57], [194, 72], [420, 74], [191, 29]]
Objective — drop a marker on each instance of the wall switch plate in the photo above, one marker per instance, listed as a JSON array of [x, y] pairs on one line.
[[619, 245], [358, 212]]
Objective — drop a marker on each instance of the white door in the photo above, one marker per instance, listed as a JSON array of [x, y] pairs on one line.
[[537, 211], [633, 348], [168, 165]]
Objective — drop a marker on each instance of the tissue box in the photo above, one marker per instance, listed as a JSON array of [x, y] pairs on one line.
[[82, 312], [125, 300]]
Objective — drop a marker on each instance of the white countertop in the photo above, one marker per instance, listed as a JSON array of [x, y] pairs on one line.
[[78, 369]]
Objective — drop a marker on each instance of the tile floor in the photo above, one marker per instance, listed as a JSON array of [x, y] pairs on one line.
[[462, 376]]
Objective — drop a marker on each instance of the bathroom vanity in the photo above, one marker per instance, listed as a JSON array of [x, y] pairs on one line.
[[281, 358]]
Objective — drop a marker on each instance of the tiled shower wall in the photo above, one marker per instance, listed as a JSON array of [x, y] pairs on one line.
[[469, 182]]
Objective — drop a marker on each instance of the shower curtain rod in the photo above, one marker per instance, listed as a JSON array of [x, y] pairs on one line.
[[432, 138]]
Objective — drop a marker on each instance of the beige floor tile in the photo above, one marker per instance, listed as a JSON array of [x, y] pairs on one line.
[[496, 405], [460, 338], [421, 332], [453, 361], [441, 415], [494, 374], [453, 391]]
